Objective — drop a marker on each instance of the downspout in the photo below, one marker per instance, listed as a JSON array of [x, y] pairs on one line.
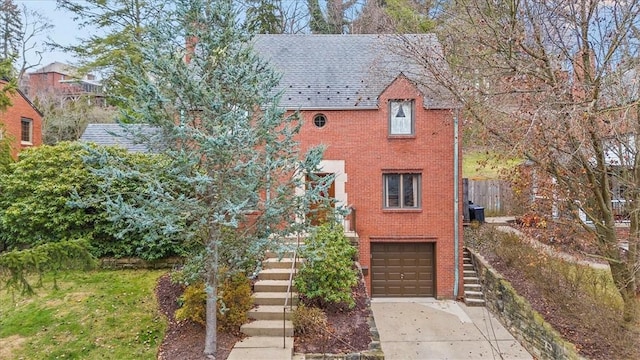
[[456, 210]]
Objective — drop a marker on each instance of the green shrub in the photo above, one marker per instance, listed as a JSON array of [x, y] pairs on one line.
[[308, 320], [234, 303], [327, 275], [77, 191], [193, 301]]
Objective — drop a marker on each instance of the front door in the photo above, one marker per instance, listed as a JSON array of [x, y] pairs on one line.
[[320, 212]]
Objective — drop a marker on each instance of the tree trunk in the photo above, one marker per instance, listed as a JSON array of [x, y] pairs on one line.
[[625, 281], [211, 334], [211, 337], [631, 304]]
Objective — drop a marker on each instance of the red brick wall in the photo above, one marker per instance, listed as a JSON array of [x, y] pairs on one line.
[[361, 139], [11, 120], [43, 82]]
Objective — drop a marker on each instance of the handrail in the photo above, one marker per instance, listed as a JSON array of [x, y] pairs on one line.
[[289, 293]]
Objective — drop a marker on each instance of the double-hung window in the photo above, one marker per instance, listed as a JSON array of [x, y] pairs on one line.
[[401, 119], [26, 131], [401, 190]]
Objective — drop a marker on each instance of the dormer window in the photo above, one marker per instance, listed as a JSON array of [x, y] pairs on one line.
[[401, 120]]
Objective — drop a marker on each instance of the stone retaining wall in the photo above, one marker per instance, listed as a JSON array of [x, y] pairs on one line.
[[517, 315], [136, 263]]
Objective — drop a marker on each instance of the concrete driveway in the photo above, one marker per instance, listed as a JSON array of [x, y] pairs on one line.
[[419, 329]]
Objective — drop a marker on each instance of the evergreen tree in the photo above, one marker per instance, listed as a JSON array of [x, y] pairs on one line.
[[10, 28], [227, 139], [333, 19], [8, 84], [265, 17]]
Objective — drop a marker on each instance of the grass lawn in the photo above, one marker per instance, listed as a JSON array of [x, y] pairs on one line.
[[485, 165], [93, 315]]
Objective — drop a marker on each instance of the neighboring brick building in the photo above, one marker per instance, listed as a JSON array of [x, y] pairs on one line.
[[389, 137], [61, 81], [21, 122]]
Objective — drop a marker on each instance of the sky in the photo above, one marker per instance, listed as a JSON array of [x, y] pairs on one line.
[[64, 32]]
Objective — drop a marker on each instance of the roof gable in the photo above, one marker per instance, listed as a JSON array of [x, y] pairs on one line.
[[25, 98], [345, 71]]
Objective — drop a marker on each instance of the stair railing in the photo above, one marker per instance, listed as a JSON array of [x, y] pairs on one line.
[[288, 299]]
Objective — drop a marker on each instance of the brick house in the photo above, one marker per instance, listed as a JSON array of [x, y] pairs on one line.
[[391, 141], [21, 122], [62, 81]]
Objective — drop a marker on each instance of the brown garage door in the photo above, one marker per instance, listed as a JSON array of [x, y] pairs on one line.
[[402, 270]]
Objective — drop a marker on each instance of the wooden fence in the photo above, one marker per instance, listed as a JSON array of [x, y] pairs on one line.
[[494, 195]]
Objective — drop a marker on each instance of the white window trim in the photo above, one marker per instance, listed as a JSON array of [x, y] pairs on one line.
[[408, 110]]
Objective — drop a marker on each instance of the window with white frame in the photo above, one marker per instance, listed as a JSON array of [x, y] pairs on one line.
[[26, 131], [401, 119], [401, 190]]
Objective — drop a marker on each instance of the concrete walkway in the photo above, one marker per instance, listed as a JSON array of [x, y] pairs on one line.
[[426, 328]]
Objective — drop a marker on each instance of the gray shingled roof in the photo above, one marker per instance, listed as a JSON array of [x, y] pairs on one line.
[[118, 135], [346, 71]]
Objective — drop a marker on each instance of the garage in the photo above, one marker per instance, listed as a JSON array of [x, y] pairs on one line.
[[402, 269]]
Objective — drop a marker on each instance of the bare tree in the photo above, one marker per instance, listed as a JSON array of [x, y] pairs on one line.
[[555, 81], [34, 24]]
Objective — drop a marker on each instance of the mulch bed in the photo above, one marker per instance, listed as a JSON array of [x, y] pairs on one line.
[[347, 330], [184, 340]]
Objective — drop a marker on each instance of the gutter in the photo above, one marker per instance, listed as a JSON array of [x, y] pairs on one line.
[[456, 210]]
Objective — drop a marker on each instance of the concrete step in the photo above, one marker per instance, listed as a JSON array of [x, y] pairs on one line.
[[473, 294], [268, 328], [270, 312], [264, 342], [469, 267], [273, 353], [273, 286], [274, 298], [275, 255], [473, 287], [284, 263], [262, 347], [469, 273], [274, 274], [471, 280], [474, 302]]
